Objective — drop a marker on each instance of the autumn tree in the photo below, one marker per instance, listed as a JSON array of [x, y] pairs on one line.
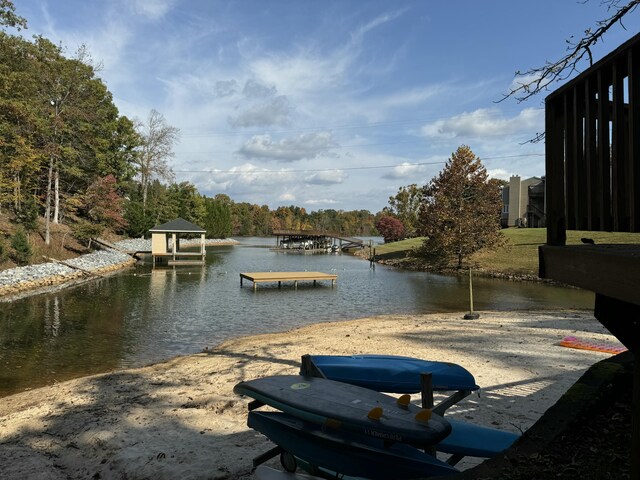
[[158, 138], [390, 228], [104, 204], [460, 211]]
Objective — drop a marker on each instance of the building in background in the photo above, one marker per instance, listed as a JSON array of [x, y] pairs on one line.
[[523, 202]]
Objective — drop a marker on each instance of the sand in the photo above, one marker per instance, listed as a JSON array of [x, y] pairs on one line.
[[181, 419]]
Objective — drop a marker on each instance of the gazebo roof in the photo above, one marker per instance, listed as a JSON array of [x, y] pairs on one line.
[[179, 225]]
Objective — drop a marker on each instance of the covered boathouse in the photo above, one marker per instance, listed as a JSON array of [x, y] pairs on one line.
[[165, 243]]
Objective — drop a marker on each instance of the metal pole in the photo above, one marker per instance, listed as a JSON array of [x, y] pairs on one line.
[[470, 292], [471, 315]]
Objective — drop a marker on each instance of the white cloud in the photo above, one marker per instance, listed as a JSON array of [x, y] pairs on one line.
[[320, 201], [376, 22], [303, 146], [251, 175], [329, 177], [412, 97], [486, 122], [404, 170], [287, 197], [255, 89], [524, 79], [500, 173], [151, 9], [225, 88], [273, 112]]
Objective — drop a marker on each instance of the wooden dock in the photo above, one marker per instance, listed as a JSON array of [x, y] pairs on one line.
[[295, 277]]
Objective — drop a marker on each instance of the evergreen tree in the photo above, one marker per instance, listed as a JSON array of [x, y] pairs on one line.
[[21, 247], [217, 220], [28, 214], [460, 211], [3, 249]]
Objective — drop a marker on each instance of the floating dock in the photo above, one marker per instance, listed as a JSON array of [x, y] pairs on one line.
[[295, 277]]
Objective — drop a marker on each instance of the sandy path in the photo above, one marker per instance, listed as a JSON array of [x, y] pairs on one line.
[[180, 419]]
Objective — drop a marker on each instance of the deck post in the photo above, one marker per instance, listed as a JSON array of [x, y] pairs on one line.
[[295, 284], [426, 394]]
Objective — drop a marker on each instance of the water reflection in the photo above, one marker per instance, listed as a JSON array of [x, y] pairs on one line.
[[146, 315]]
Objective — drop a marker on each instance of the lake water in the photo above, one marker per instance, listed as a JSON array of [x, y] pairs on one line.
[[146, 315]]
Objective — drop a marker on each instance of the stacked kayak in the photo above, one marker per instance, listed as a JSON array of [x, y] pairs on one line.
[[334, 419]]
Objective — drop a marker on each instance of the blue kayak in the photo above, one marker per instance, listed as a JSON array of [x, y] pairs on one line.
[[392, 373], [347, 408], [469, 440], [345, 452]]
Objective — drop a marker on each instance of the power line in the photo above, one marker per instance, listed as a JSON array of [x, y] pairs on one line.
[[307, 170]]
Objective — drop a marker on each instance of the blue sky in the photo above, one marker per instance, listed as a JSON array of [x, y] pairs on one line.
[[326, 104]]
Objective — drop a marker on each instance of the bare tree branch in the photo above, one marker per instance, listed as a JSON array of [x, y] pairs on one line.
[[535, 80]]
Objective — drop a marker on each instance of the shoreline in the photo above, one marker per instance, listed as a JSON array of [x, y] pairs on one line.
[[180, 418], [21, 282]]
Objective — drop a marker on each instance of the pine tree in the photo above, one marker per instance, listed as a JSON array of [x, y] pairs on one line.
[[22, 247], [460, 211]]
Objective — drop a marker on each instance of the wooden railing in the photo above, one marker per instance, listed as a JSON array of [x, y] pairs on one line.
[[593, 148]]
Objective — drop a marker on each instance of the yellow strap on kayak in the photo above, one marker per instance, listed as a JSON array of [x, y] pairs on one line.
[[404, 401], [375, 413], [423, 415]]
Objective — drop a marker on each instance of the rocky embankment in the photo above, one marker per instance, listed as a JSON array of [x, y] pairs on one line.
[[17, 281], [20, 281]]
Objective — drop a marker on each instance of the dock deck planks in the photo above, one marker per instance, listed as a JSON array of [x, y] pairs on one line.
[[295, 277]]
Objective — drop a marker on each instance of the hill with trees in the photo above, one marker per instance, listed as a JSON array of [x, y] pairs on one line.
[[73, 168]]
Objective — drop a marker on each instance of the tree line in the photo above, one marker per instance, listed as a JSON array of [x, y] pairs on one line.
[[68, 156]]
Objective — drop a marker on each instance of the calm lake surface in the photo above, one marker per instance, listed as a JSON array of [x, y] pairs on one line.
[[146, 315]]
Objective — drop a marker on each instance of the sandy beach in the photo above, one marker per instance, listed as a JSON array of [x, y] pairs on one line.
[[180, 419]]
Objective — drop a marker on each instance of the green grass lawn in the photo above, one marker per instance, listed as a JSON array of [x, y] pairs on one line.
[[520, 253]]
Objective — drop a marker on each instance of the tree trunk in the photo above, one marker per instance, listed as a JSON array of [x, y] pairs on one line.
[[47, 209], [56, 196], [144, 194]]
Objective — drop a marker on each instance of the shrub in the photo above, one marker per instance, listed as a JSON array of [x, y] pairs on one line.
[[3, 249], [22, 251], [86, 231], [28, 214]]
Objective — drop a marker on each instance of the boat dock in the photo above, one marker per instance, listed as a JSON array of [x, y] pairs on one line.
[[314, 241], [295, 277]]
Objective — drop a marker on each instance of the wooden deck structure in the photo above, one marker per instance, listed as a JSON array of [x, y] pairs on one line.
[[592, 129], [165, 243], [295, 277]]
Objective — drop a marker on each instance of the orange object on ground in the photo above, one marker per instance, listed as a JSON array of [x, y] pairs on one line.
[[573, 342]]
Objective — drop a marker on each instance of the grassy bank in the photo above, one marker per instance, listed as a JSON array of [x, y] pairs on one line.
[[518, 257]]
